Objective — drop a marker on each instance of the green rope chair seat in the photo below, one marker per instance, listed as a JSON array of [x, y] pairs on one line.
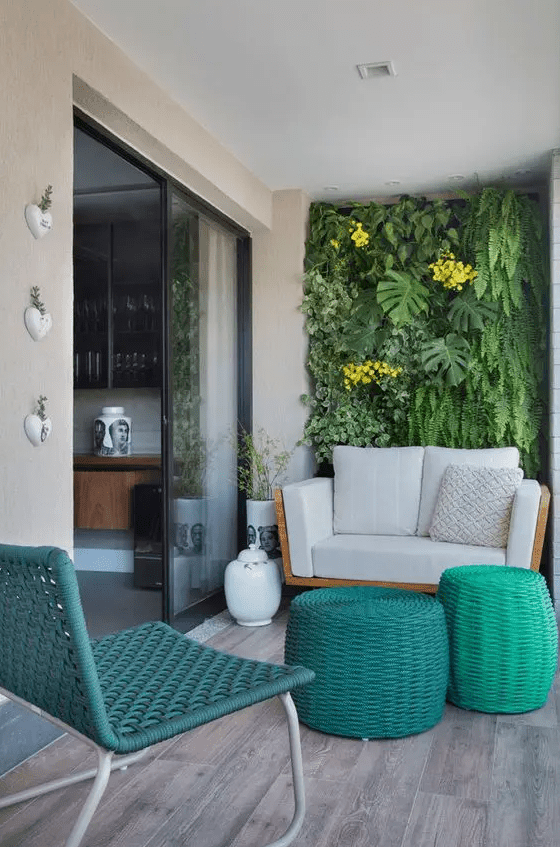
[[503, 637], [126, 691], [157, 683], [380, 656]]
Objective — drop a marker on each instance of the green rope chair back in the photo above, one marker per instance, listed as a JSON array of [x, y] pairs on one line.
[[125, 691], [46, 655]]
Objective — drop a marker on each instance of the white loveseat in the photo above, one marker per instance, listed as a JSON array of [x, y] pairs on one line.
[[384, 515]]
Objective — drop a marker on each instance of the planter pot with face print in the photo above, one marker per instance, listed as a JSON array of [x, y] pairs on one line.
[[262, 528], [112, 433]]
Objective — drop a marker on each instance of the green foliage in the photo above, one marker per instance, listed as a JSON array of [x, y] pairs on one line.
[[448, 357], [46, 201], [402, 297], [467, 313], [472, 359], [40, 408], [189, 448], [262, 464], [36, 299]]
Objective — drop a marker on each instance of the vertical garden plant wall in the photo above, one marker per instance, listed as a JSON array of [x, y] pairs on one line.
[[426, 324]]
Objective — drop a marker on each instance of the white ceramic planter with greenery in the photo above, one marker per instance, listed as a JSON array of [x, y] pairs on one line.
[[38, 426], [37, 215], [36, 318], [262, 465]]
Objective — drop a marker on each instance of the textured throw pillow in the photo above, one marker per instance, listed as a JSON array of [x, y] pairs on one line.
[[474, 505]]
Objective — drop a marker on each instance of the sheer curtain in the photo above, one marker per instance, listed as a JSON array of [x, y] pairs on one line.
[[218, 388], [203, 384]]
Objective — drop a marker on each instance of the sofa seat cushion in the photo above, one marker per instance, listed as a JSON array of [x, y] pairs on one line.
[[396, 558], [436, 459], [377, 489]]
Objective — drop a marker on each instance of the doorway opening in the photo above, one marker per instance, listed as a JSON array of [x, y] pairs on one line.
[[159, 387]]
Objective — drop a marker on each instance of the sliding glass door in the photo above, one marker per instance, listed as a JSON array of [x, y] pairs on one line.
[[202, 404]]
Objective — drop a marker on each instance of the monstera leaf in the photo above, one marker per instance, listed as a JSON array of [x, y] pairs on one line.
[[448, 356], [402, 297], [362, 332], [468, 313]]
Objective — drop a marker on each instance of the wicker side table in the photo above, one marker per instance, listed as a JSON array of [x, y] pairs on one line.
[[503, 637], [380, 656]]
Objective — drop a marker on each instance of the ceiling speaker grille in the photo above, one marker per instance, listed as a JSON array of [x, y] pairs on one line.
[[374, 70]]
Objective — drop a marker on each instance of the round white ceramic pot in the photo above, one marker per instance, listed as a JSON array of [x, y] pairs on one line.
[[112, 432], [253, 587]]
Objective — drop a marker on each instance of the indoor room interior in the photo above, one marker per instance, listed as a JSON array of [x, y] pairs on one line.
[[205, 180]]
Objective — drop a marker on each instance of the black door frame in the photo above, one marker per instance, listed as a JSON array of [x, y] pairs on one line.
[[244, 323]]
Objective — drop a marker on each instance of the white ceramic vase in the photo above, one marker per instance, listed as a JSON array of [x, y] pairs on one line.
[[39, 222], [37, 429], [37, 324], [262, 528], [112, 432], [252, 587]]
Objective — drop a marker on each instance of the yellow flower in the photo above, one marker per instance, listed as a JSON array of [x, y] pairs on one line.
[[335, 243], [368, 372], [452, 274], [359, 236]]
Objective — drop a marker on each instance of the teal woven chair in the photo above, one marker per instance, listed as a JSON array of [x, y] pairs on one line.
[[125, 692]]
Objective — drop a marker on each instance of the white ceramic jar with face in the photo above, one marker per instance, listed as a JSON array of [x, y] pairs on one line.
[[112, 432]]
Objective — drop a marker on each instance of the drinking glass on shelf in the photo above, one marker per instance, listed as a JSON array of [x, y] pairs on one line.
[[132, 313]]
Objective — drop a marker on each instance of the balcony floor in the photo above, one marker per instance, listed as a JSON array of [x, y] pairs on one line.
[[474, 780]]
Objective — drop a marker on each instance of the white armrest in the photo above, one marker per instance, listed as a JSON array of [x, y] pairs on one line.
[[308, 507], [523, 524]]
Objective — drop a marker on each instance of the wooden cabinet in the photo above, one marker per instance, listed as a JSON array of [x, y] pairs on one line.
[[103, 489]]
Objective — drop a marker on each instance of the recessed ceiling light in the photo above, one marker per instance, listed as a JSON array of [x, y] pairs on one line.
[[456, 177], [330, 188], [374, 70], [393, 182]]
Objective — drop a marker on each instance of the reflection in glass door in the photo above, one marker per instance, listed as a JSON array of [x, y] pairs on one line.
[[202, 405]]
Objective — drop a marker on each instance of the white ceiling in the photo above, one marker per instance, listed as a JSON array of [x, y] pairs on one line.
[[477, 90]]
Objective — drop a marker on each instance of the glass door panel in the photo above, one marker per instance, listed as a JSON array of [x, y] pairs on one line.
[[202, 406]]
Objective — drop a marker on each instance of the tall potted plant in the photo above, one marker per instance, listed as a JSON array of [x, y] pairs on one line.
[[189, 447], [262, 464]]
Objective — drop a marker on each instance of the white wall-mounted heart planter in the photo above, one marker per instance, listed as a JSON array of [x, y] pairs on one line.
[[39, 222], [37, 325], [37, 430]]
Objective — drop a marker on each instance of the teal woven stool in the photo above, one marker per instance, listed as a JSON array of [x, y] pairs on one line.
[[380, 657], [503, 638]]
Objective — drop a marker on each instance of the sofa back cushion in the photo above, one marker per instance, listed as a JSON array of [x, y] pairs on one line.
[[377, 489], [436, 460]]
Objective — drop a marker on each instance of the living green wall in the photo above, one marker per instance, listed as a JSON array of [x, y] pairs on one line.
[[426, 324]]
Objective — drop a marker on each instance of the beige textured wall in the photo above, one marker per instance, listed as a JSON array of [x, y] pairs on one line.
[[36, 149], [48, 52], [279, 340]]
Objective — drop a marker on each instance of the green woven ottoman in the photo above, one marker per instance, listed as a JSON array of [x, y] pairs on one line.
[[380, 656], [503, 638]]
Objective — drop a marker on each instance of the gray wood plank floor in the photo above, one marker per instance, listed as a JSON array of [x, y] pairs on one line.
[[474, 780]]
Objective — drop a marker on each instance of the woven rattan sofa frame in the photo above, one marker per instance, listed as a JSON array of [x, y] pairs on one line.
[[52, 562], [430, 588]]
